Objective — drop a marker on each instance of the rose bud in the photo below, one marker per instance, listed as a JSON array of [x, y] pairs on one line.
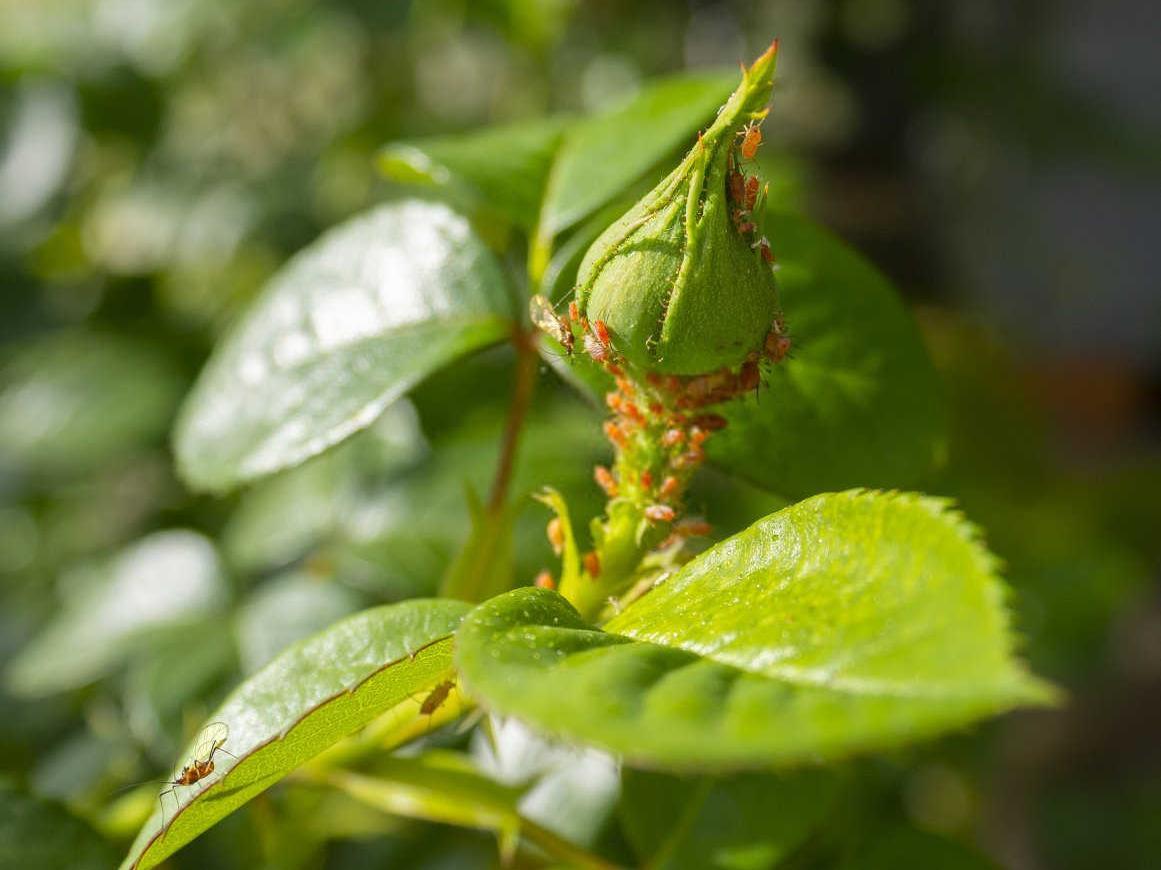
[[678, 281]]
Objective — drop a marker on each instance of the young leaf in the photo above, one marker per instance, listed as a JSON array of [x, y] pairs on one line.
[[603, 155], [349, 325], [111, 607], [751, 820], [501, 168], [858, 402], [848, 622], [306, 700]]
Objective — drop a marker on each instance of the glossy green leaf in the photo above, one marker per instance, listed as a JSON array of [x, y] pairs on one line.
[[163, 582], [498, 168], [308, 699], [603, 155], [347, 327], [76, 399], [848, 622], [748, 821], [38, 835], [858, 402]]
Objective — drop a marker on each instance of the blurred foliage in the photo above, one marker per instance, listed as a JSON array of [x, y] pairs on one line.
[[159, 159]]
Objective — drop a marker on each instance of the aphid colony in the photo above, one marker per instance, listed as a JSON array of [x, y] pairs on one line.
[[658, 425], [747, 193]]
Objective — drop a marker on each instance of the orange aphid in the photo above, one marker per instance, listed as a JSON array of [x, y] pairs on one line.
[[544, 580], [573, 313], [751, 196], [592, 563], [669, 487], [632, 412], [751, 139], [660, 513], [614, 434], [613, 400], [693, 528], [697, 436], [672, 437], [647, 479], [605, 480], [555, 533]]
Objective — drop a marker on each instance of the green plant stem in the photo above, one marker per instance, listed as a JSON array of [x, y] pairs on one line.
[[475, 575]]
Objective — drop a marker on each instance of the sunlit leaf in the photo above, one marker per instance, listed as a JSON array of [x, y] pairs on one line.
[[347, 327], [848, 622], [164, 581], [606, 153], [500, 168], [305, 701], [858, 402]]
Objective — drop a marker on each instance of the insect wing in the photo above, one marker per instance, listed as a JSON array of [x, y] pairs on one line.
[[545, 318], [212, 737]]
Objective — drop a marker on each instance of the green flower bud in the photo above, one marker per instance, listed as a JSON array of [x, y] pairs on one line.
[[682, 281]]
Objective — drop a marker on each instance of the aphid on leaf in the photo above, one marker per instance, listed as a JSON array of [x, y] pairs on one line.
[[592, 563], [544, 580], [548, 322], [751, 136], [660, 513], [647, 479], [672, 437], [598, 344], [436, 697], [669, 487], [201, 764]]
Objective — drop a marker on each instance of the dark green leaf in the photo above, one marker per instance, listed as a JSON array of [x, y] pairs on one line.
[[898, 847], [38, 835], [748, 821], [306, 700], [349, 325], [166, 580], [603, 155], [500, 168], [848, 622], [858, 402]]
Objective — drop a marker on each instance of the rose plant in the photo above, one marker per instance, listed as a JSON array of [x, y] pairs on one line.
[[719, 332]]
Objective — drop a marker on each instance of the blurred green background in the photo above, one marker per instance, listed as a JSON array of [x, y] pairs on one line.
[[159, 159]]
